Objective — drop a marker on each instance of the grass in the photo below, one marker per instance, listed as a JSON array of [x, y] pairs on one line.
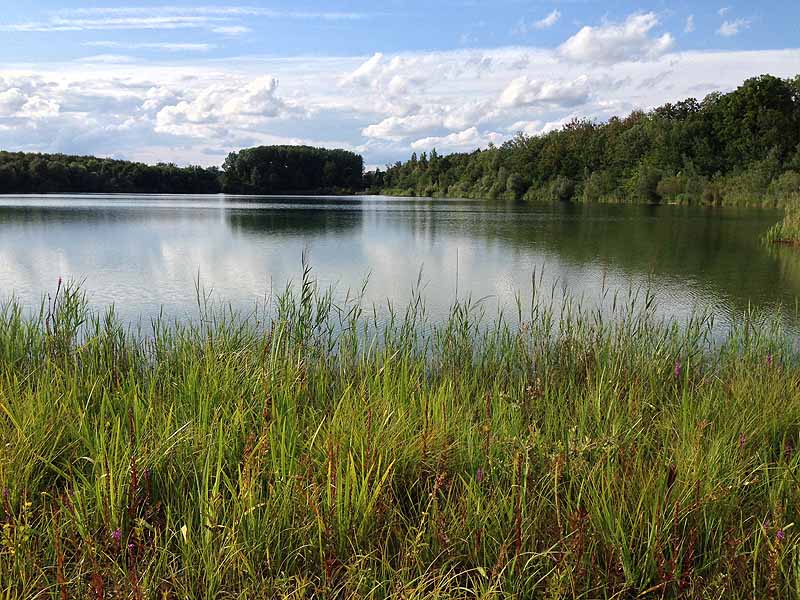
[[786, 231], [322, 453]]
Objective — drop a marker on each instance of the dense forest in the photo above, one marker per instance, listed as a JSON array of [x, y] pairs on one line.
[[738, 148], [22, 173], [272, 169], [278, 169]]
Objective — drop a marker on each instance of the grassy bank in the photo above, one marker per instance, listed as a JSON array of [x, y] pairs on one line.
[[322, 454]]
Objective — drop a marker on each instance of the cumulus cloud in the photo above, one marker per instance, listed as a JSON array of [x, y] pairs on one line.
[[631, 40], [462, 141], [527, 127], [11, 101], [689, 28], [417, 120], [524, 91], [222, 105], [397, 128], [26, 100], [732, 28]]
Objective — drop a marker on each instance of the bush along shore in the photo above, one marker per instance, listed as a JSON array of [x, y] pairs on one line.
[[320, 453]]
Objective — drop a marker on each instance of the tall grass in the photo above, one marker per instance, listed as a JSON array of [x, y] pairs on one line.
[[324, 453], [786, 231]]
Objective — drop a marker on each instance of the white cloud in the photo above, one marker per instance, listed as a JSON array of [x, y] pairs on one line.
[[166, 46], [366, 73], [11, 101], [524, 91], [220, 19], [549, 20], [108, 59], [526, 127], [524, 27], [411, 121], [618, 42], [231, 30], [724, 11], [462, 141], [690, 27], [732, 28], [214, 11], [397, 128], [37, 107], [222, 107], [57, 24]]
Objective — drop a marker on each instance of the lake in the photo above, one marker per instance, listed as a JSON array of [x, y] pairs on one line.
[[145, 253]]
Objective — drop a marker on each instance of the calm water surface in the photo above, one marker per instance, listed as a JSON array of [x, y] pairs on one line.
[[144, 253]]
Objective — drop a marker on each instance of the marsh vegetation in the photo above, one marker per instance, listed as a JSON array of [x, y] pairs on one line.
[[312, 451]]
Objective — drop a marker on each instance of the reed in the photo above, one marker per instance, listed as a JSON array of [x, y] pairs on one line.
[[786, 231], [316, 451]]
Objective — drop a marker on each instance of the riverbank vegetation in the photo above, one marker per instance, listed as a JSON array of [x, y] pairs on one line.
[[786, 231], [740, 148], [314, 452]]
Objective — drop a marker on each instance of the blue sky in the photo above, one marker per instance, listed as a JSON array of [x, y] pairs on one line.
[[188, 81]]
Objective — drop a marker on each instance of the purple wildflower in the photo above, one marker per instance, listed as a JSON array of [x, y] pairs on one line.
[[479, 475], [677, 369], [769, 359], [742, 441], [131, 547], [117, 535], [780, 535]]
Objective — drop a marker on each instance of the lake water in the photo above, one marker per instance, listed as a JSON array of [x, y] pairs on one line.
[[145, 253]]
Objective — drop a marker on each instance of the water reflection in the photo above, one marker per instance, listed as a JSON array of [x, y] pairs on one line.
[[144, 253]]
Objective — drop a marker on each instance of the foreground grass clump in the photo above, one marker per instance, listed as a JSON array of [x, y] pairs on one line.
[[786, 231], [322, 454]]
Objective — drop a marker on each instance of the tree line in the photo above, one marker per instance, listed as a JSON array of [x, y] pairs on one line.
[[27, 173], [264, 170], [738, 148]]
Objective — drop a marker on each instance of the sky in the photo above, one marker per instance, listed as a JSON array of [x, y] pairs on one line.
[[189, 82]]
